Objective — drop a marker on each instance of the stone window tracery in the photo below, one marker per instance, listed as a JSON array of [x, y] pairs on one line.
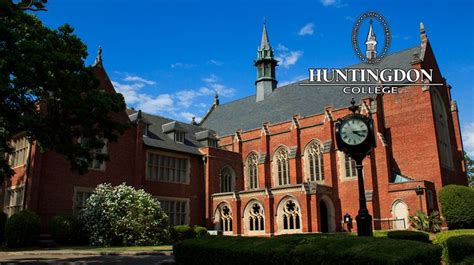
[[314, 165], [281, 166], [252, 171], [291, 215]]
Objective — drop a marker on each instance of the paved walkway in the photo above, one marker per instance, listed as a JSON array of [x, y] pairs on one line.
[[86, 257]]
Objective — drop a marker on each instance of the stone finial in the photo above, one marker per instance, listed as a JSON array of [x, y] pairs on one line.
[[98, 59], [193, 121], [454, 105], [424, 40], [216, 99], [423, 32]]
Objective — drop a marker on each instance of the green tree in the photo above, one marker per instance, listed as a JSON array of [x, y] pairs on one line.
[[469, 169], [48, 93]]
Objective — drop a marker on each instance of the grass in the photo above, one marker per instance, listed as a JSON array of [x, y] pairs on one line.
[[91, 248]]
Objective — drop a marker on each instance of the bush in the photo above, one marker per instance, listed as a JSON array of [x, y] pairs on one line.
[[442, 238], [122, 215], [182, 232], [460, 248], [21, 229], [3, 220], [428, 223], [65, 229], [304, 249], [457, 206], [409, 235], [200, 231]]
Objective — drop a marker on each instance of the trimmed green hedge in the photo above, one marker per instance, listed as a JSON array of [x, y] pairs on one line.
[[304, 249], [442, 238], [200, 231], [65, 229], [182, 232], [460, 248], [3, 220], [457, 206], [409, 235], [22, 229]]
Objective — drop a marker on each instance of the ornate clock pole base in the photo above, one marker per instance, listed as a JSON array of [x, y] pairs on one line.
[[363, 219]]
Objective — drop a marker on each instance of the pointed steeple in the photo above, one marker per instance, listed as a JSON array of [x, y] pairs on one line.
[[371, 43], [265, 63], [371, 34], [265, 42], [98, 59]]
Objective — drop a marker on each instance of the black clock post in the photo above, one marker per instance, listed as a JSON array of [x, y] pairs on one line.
[[355, 137]]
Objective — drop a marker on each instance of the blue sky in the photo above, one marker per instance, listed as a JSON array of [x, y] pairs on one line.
[[168, 57]]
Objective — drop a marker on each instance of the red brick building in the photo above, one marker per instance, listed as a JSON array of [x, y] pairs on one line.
[[268, 164]]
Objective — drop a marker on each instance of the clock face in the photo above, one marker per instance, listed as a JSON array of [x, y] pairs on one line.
[[354, 131]]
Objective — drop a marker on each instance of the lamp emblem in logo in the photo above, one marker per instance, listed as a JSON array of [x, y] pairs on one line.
[[365, 31]]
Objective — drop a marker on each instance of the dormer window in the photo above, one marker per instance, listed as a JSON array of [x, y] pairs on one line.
[[179, 136], [207, 138], [213, 143], [175, 131], [146, 129]]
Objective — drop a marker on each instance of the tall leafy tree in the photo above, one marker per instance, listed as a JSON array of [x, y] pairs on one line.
[[469, 169], [47, 92]]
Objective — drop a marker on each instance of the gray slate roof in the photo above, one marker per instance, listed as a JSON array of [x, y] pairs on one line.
[[157, 138], [288, 100]]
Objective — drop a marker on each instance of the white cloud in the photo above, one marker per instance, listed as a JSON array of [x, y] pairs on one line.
[[292, 80], [286, 57], [188, 116], [181, 105], [335, 3], [468, 138], [307, 29], [138, 79], [182, 65], [215, 62], [210, 79], [349, 18], [147, 103]]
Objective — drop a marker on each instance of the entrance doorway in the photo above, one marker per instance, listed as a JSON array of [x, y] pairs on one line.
[[400, 215], [324, 217]]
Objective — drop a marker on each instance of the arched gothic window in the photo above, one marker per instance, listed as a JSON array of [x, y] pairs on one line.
[[227, 179], [314, 165], [290, 214], [254, 215], [252, 171], [442, 131], [224, 217], [281, 166]]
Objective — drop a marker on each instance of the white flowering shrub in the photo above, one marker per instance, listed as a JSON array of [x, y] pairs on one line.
[[122, 215]]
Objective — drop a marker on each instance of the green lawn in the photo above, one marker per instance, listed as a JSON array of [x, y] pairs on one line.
[[90, 248]]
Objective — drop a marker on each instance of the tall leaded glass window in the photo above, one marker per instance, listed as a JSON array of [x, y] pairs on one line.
[[227, 179], [314, 165], [252, 171], [281, 166]]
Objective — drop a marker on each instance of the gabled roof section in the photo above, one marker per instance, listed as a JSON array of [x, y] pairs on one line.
[[288, 100], [157, 138]]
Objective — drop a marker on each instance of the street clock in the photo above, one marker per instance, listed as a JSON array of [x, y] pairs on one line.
[[355, 134], [355, 137]]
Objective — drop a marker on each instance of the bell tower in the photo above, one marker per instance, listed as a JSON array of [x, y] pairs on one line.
[[265, 64]]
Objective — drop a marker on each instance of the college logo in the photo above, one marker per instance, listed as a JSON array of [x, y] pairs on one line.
[[364, 31]]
